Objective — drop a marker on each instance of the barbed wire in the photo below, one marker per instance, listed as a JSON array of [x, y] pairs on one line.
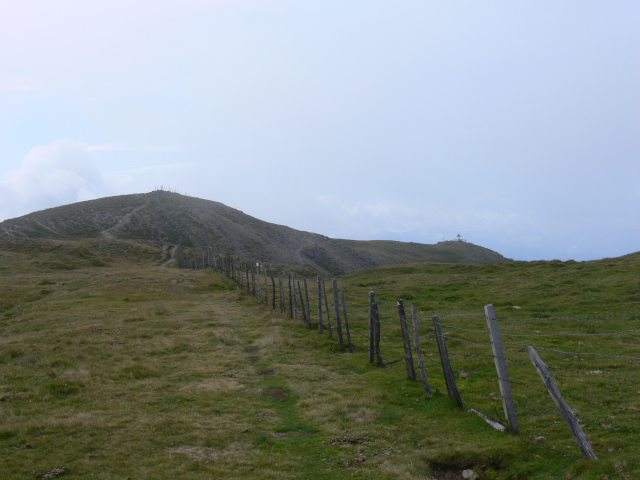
[[572, 353]]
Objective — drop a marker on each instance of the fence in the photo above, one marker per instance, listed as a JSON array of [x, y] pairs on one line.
[[510, 372]]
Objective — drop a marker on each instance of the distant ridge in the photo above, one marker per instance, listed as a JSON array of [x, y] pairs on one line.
[[169, 217]]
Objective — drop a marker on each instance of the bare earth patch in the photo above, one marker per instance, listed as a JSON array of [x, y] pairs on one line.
[[276, 393]]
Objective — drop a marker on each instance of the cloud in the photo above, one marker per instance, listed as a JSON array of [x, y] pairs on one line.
[[51, 175], [109, 147]]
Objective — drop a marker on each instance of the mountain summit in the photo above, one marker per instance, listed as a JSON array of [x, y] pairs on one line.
[[169, 217]]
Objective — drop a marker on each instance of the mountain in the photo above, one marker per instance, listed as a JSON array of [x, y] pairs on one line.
[[169, 217]]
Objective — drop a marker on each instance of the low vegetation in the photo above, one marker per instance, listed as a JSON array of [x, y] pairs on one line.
[[114, 368]]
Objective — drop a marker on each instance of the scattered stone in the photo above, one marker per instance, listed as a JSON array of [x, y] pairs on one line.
[[230, 374], [28, 445], [56, 472], [470, 475], [173, 281], [515, 307]]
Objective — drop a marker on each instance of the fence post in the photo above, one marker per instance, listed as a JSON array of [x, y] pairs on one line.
[[290, 302], [273, 284], [371, 326], [406, 342], [319, 304], [326, 304], [501, 368], [376, 341], [346, 323], [258, 280], [336, 305], [306, 294], [304, 310], [266, 288], [566, 412], [416, 343], [246, 271], [452, 388], [283, 305]]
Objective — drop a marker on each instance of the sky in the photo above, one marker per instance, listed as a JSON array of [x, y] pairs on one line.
[[513, 124]]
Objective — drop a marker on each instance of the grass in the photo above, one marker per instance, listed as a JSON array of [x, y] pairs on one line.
[[115, 371]]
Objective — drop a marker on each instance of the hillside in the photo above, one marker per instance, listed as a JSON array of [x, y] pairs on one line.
[[170, 218]]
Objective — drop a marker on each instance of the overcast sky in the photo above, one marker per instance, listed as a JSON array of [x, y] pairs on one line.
[[515, 124]]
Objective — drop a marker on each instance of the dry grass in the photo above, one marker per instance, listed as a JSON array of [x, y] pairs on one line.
[[116, 372]]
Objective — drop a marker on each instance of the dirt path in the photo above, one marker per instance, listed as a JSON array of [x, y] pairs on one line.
[[172, 257], [122, 222]]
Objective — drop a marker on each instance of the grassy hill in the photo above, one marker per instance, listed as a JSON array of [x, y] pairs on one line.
[[112, 367], [170, 218]]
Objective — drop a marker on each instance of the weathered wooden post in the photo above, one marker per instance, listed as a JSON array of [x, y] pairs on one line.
[[346, 323], [566, 412], [283, 306], [290, 302], [406, 341], [416, 343], [266, 288], [304, 310], [336, 304], [371, 327], [306, 294], [326, 303], [501, 368], [246, 270], [295, 300], [319, 304], [452, 388], [258, 280], [273, 284]]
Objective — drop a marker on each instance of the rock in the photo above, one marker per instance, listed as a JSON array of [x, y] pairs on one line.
[[470, 475]]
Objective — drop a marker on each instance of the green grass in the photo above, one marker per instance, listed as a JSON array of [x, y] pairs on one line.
[[116, 371]]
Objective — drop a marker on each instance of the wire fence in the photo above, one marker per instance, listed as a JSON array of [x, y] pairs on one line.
[[593, 361]]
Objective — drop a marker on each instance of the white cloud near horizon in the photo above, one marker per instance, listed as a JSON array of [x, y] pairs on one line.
[[60, 173]]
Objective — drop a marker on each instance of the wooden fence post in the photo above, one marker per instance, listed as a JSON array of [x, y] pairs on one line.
[[326, 304], [566, 412], [273, 284], [376, 341], [290, 302], [246, 271], [283, 305], [295, 300], [346, 323], [336, 305], [266, 288], [501, 368], [416, 343], [258, 280], [306, 294], [452, 388], [371, 326], [319, 304], [406, 342], [304, 310]]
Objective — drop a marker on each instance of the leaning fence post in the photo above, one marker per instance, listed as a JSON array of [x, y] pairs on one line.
[[566, 412], [416, 343], [452, 388], [501, 368], [406, 342], [336, 304], [346, 323], [319, 304]]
